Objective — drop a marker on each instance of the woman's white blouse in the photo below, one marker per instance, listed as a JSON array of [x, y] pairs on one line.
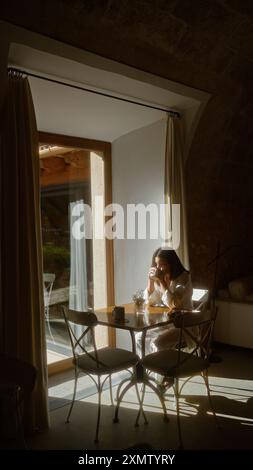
[[178, 295]]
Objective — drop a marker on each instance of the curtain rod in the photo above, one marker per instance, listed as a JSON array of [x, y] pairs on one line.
[[59, 82]]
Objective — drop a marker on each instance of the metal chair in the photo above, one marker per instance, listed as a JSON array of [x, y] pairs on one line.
[[178, 364], [48, 279], [95, 362], [200, 300]]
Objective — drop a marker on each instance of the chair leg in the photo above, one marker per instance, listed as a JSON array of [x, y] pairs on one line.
[[141, 410], [141, 404], [109, 378], [206, 380], [50, 331], [99, 409], [176, 390], [128, 379], [184, 383], [111, 394], [48, 324], [160, 396], [74, 396], [116, 419]]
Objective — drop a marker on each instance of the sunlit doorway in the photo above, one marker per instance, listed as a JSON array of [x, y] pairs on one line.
[[77, 271]]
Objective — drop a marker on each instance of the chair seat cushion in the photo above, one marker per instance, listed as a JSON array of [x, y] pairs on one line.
[[110, 360], [165, 363]]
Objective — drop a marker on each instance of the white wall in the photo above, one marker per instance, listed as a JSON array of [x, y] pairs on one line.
[[137, 177]]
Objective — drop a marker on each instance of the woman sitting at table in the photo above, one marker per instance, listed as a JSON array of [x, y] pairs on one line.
[[169, 284]]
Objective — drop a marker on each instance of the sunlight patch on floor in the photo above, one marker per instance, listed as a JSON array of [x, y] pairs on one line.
[[191, 401]]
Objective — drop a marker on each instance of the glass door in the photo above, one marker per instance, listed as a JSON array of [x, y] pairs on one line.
[[74, 260]]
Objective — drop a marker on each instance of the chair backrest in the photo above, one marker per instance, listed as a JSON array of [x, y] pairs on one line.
[[48, 279], [86, 319], [197, 327]]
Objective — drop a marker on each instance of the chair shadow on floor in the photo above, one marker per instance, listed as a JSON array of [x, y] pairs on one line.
[[223, 405]]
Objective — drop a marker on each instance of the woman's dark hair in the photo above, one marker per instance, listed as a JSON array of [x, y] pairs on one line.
[[171, 258]]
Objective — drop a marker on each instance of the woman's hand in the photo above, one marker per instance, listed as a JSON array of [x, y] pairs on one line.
[[161, 277], [152, 277], [153, 274]]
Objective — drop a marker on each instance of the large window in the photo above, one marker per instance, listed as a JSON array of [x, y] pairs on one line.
[[77, 266]]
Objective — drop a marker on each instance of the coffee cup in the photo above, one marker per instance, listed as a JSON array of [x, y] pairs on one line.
[[118, 314]]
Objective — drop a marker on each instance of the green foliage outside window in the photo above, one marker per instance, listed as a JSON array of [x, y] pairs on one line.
[[56, 257]]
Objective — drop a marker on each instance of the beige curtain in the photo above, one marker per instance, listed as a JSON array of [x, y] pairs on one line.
[[175, 191], [22, 311]]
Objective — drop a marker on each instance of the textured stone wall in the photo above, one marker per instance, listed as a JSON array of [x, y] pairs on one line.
[[207, 44]]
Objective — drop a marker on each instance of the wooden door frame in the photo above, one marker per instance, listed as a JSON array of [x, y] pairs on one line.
[[105, 148]]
